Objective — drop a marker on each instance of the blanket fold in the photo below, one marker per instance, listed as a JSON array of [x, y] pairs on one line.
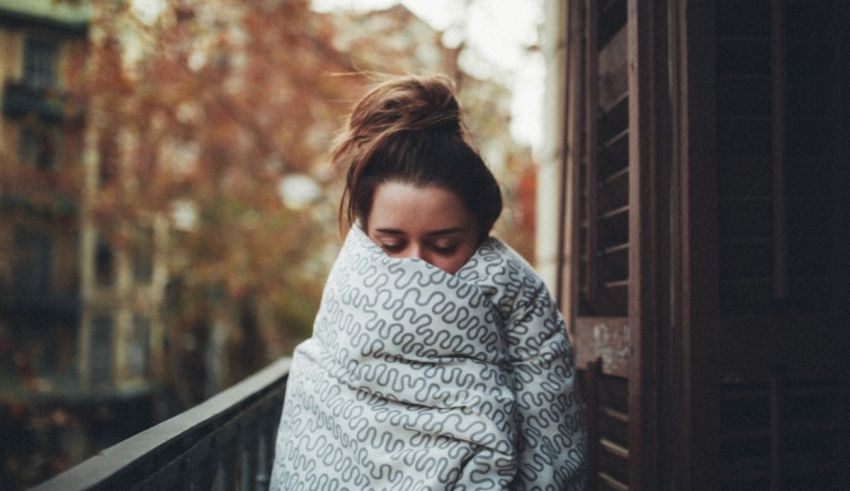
[[417, 379]]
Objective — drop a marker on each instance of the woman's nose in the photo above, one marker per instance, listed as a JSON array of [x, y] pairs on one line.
[[418, 252], [415, 251]]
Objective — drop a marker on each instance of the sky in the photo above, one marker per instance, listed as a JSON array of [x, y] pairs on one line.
[[498, 34]]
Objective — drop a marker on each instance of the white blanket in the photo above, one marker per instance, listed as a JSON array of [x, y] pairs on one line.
[[416, 379]]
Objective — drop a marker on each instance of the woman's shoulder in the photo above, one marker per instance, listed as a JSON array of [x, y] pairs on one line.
[[507, 278], [496, 258]]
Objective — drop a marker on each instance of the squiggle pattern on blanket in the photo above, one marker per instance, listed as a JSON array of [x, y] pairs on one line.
[[417, 379]]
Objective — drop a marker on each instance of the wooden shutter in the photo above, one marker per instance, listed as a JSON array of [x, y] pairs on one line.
[[598, 161], [776, 127], [774, 84]]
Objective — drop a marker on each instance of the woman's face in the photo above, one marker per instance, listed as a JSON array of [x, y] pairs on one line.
[[429, 223]]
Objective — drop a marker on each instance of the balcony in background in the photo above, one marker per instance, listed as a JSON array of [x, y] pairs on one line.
[[21, 99]]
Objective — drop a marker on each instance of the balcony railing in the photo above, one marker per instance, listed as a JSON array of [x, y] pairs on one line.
[[224, 443], [21, 99]]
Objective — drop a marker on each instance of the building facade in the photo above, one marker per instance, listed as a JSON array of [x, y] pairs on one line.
[[40, 147], [80, 319]]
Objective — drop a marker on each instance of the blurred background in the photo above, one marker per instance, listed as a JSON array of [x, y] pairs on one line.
[[167, 205]]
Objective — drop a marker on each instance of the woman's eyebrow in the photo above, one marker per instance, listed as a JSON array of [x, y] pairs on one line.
[[389, 231], [446, 231]]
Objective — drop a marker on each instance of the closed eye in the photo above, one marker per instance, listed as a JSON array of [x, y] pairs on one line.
[[392, 247], [444, 250]]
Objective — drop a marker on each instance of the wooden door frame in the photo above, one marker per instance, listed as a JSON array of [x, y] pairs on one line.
[[673, 257], [698, 219], [643, 263]]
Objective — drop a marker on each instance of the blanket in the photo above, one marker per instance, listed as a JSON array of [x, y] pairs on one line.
[[417, 379]]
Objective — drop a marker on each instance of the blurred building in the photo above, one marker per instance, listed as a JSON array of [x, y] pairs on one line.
[[79, 323], [39, 155]]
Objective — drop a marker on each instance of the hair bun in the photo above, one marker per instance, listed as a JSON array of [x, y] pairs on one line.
[[407, 104]]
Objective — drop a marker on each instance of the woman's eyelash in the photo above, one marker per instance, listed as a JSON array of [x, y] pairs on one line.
[[444, 249], [398, 246]]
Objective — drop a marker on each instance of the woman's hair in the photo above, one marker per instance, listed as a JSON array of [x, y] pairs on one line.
[[409, 129]]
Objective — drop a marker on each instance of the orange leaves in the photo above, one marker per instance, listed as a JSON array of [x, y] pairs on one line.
[[226, 99]]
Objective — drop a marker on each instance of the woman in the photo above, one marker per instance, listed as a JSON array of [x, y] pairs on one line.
[[438, 359]]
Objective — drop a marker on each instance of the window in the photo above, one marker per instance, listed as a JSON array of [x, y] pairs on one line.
[[41, 62], [143, 255], [37, 146], [108, 153], [137, 351], [101, 351], [32, 268], [104, 262]]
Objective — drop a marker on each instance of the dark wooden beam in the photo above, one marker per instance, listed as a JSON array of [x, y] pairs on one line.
[[778, 135], [698, 278], [573, 152], [642, 309], [591, 73]]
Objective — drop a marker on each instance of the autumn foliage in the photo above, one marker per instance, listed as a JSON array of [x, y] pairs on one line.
[[199, 113]]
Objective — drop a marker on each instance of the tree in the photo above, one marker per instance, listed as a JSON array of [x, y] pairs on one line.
[[198, 113]]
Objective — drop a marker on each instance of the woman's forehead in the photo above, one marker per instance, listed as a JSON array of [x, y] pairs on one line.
[[399, 205]]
